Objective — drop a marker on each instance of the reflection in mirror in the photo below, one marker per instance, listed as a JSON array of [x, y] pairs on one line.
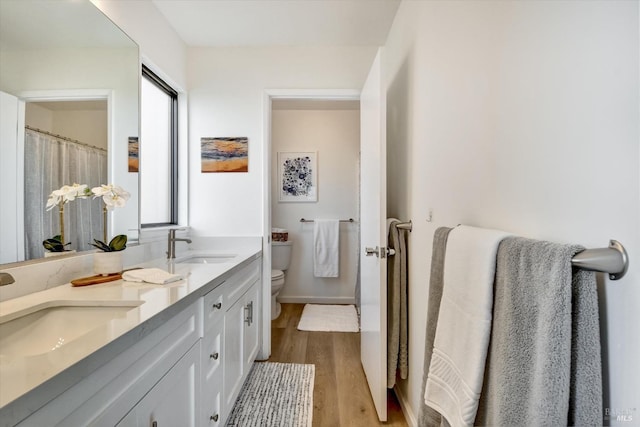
[[65, 143], [64, 50]]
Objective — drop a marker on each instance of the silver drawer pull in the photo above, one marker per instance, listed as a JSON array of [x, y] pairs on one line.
[[214, 356], [248, 314], [218, 305], [214, 417]]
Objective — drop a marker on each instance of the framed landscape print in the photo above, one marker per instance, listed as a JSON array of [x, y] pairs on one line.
[[224, 154]]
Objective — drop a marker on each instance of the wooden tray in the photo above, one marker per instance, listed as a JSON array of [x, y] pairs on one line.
[[94, 280]]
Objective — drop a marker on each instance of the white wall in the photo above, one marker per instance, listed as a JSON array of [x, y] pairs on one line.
[[521, 116], [38, 117], [86, 126], [335, 136], [227, 86]]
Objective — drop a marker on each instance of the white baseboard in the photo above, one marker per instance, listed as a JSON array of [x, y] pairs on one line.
[[409, 416], [316, 300]]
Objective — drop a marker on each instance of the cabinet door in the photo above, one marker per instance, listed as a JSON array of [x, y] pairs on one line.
[[251, 326], [233, 353], [212, 376], [173, 401]]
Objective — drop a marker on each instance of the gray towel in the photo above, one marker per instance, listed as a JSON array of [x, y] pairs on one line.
[[397, 319], [429, 417], [543, 366]]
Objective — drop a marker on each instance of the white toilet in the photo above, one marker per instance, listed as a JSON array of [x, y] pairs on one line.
[[280, 259]]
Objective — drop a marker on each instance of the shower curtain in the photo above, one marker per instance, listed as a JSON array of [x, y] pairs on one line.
[[50, 163]]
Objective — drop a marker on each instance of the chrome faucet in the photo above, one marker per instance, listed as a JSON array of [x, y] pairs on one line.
[[171, 248], [6, 279]]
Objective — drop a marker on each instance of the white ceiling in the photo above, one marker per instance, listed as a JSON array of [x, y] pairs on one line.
[[280, 22]]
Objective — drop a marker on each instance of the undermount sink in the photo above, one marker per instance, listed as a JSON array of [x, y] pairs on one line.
[[206, 259], [49, 328]]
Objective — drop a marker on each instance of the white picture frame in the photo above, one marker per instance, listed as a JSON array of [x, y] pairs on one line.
[[298, 176]]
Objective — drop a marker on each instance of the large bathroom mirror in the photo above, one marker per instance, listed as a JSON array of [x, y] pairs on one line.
[[67, 75]]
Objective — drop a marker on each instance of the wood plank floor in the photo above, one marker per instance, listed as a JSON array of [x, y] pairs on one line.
[[341, 396]]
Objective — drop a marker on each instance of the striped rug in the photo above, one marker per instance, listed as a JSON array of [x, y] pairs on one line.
[[275, 394]]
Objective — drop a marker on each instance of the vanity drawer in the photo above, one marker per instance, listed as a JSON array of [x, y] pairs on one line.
[[214, 307], [240, 282], [212, 354]]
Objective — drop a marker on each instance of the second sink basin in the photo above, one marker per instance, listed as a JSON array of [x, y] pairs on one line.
[[49, 328], [206, 259]]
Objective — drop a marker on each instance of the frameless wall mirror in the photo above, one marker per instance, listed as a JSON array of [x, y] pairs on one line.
[[69, 93]]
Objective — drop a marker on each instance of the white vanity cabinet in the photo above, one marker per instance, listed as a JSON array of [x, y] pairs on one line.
[[187, 372], [173, 401], [237, 346]]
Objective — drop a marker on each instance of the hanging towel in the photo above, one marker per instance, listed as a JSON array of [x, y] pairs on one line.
[[460, 347], [397, 319], [326, 241], [544, 363], [150, 275], [429, 417]]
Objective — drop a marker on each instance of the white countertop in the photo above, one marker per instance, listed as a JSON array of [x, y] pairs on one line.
[[29, 379]]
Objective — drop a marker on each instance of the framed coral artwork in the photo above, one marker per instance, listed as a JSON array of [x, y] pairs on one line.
[[298, 177]]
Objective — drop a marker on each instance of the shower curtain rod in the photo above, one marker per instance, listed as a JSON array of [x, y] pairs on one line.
[[64, 138], [613, 260]]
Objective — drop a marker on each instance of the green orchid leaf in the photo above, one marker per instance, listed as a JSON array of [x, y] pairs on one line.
[[100, 245], [118, 243], [54, 244]]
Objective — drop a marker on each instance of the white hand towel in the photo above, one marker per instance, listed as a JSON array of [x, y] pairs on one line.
[[326, 242], [462, 336], [150, 275]]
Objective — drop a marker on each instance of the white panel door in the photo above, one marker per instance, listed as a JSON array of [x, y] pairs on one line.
[[373, 268]]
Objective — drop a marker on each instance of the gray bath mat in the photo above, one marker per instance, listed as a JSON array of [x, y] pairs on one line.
[[275, 394]]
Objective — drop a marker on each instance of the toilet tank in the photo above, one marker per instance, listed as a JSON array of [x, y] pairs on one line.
[[281, 255]]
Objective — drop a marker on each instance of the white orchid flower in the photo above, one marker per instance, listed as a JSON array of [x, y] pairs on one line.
[[53, 201], [113, 196], [66, 194]]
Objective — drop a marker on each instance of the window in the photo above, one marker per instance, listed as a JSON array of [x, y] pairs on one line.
[[158, 152]]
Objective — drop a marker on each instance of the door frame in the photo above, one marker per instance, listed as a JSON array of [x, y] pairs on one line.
[[268, 96]]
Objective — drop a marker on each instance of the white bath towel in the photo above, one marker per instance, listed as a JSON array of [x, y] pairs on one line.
[[462, 336], [326, 251], [150, 275]]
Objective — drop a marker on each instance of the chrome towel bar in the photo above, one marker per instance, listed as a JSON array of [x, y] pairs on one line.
[[342, 220], [405, 225], [613, 260]]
